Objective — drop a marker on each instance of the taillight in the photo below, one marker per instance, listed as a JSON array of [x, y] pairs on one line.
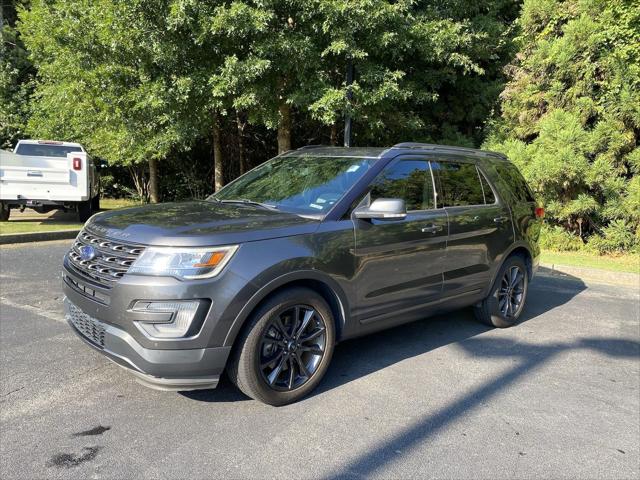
[[540, 212], [77, 163]]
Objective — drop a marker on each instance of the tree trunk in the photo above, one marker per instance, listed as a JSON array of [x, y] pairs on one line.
[[154, 196], [334, 134], [218, 166], [284, 127], [242, 156], [140, 181]]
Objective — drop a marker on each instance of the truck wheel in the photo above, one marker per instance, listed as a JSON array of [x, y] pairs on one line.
[[84, 211], [95, 203], [505, 303], [5, 211], [285, 350]]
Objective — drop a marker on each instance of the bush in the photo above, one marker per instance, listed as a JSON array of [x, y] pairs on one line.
[[557, 238], [616, 238]]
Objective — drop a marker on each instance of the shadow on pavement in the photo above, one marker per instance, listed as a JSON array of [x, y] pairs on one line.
[[531, 357], [359, 357]]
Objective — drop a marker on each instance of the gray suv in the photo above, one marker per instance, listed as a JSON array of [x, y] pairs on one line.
[[313, 247]]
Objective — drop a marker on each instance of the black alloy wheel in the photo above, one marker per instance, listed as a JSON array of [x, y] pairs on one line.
[[285, 347], [511, 292], [292, 347], [506, 300]]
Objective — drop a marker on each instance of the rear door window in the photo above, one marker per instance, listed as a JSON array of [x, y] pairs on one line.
[[409, 180], [459, 184]]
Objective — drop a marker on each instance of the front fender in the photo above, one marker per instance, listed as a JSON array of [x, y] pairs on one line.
[[290, 278]]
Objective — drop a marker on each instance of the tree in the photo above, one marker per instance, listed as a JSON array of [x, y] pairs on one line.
[[16, 79], [111, 74], [571, 112]]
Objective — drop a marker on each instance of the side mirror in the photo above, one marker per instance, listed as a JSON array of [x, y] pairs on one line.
[[383, 209]]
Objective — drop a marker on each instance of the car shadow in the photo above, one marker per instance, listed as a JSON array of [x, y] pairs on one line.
[[360, 357]]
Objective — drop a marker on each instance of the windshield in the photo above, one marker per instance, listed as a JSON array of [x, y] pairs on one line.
[[44, 150], [303, 184]]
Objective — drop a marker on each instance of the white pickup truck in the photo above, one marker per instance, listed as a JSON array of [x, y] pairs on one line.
[[45, 175]]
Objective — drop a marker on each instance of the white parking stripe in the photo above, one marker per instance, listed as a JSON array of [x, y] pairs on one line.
[[35, 310]]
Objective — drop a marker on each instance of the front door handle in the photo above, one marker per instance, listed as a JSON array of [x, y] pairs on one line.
[[500, 219], [432, 228]]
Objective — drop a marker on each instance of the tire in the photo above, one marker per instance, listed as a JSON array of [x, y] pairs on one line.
[[84, 211], [507, 299], [268, 359], [5, 211], [95, 203]]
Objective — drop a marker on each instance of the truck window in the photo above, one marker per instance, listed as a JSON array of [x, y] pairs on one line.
[[42, 150]]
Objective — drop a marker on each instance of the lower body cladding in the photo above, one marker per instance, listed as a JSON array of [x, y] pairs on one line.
[[162, 369]]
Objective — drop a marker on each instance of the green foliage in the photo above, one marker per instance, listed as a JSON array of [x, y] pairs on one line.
[[109, 75], [615, 238], [16, 80], [139, 79], [571, 115], [558, 239]]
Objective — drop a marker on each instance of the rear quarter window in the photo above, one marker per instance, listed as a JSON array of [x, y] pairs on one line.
[[518, 187]]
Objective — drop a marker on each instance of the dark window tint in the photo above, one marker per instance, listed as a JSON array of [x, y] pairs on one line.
[[43, 150], [516, 182], [406, 179], [460, 184], [489, 197]]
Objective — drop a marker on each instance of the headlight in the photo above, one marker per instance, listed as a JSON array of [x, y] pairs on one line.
[[183, 263]]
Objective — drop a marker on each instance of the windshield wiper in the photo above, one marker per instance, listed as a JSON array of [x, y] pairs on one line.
[[246, 201]]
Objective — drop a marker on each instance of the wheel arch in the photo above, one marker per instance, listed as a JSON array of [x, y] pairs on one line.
[[322, 284], [519, 248]]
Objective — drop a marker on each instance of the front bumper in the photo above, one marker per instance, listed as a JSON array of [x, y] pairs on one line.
[[166, 369]]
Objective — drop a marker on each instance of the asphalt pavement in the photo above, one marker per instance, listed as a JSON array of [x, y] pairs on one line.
[[557, 396]]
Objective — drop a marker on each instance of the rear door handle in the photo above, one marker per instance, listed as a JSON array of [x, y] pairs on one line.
[[500, 219], [432, 228]]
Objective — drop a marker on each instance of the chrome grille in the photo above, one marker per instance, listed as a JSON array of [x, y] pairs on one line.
[[88, 326], [113, 258]]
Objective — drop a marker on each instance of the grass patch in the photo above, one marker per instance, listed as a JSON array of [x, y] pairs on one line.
[[627, 262], [30, 221], [112, 203]]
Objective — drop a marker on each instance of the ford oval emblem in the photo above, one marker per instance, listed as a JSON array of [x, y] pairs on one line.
[[87, 252]]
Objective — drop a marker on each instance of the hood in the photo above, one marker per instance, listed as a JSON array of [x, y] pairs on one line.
[[198, 223]]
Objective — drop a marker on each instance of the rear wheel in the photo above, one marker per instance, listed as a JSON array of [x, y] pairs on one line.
[[5, 211], [95, 203], [286, 348], [84, 211], [505, 303]]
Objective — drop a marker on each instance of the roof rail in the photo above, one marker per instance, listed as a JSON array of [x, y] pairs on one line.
[[449, 148]]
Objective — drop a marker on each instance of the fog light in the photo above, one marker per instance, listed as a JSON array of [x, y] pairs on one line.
[[175, 325]]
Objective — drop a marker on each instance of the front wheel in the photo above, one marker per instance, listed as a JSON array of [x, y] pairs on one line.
[[5, 211], [285, 349], [505, 303]]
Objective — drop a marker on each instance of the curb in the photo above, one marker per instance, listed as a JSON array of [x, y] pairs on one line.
[[627, 279], [7, 238]]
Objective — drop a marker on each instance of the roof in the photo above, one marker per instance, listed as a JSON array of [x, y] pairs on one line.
[[377, 152], [327, 151], [50, 142]]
